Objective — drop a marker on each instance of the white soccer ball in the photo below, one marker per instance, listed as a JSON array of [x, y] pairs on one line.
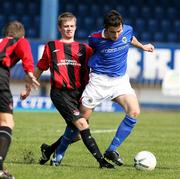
[[145, 160]]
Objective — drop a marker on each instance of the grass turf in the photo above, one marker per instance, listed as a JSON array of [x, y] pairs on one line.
[[156, 131]]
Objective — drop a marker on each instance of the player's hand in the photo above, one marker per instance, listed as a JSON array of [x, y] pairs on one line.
[[148, 47], [25, 93], [32, 81]]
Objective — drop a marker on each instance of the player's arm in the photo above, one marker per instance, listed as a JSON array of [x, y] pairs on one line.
[[42, 65], [146, 47], [28, 87], [23, 52]]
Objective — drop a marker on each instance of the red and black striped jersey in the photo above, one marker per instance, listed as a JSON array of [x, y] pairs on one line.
[[14, 49], [68, 63]]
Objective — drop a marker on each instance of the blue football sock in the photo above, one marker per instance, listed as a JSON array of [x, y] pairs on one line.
[[122, 132], [69, 134]]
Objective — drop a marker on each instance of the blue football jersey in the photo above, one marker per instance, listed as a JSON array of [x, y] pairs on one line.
[[110, 57]]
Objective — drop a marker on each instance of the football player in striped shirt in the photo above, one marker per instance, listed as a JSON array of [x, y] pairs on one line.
[[13, 47], [67, 60]]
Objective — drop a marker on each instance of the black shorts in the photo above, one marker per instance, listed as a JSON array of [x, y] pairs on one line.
[[67, 103], [6, 99]]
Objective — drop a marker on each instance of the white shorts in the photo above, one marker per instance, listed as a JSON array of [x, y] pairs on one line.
[[102, 87]]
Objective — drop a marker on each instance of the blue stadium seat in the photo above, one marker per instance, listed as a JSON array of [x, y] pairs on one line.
[[106, 8], [80, 23], [89, 22], [140, 25], [138, 35], [128, 21], [158, 37], [133, 12], [99, 22], [123, 2], [36, 25], [177, 3], [2, 20], [121, 10], [24, 11], [145, 37], [70, 7], [94, 11], [171, 13], [82, 34], [33, 8], [26, 20], [31, 33], [7, 8], [20, 8], [12, 17], [153, 25], [171, 37], [36, 21], [164, 3], [146, 12], [151, 3], [165, 26], [159, 12], [137, 3], [83, 10], [177, 26]]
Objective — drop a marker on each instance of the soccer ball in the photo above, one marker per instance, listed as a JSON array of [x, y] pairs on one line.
[[145, 160]]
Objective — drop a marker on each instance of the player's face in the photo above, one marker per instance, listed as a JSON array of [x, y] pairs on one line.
[[68, 29], [113, 33]]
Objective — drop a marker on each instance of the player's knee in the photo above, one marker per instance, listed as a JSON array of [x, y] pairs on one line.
[[81, 124], [7, 120], [85, 112], [134, 113], [137, 113]]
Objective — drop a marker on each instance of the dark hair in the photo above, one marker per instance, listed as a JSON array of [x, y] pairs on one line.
[[112, 18], [64, 17], [13, 29]]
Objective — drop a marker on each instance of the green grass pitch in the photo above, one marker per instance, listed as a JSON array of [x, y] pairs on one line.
[[156, 131]]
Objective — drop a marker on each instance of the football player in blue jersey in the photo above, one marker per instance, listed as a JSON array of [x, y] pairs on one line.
[[108, 77]]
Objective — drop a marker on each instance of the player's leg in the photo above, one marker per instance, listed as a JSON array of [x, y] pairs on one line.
[[6, 125], [48, 150], [67, 104], [131, 107], [70, 133], [91, 97], [55, 144], [62, 100], [90, 142]]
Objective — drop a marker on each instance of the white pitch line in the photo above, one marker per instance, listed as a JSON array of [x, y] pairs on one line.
[[97, 131], [103, 131]]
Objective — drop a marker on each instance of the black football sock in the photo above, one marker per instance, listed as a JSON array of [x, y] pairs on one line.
[[1, 163], [91, 145], [5, 140], [53, 146]]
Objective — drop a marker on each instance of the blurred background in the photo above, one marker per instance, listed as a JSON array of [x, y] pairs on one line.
[[155, 77]]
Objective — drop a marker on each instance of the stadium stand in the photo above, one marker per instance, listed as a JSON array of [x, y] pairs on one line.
[[148, 18], [26, 11]]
